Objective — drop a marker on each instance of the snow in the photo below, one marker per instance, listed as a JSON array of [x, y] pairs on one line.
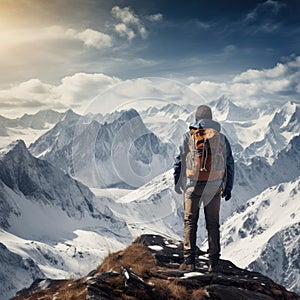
[[65, 239], [29, 135], [253, 229], [191, 275], [156, 247]]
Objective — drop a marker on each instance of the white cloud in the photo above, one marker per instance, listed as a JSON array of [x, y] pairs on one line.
[[277, 84], [126, 15], [106, 93], [91, 38], [82, 87], [155, 18], [210, 90], [73, 91], [33, 89], [95, 93], [130, 23], [124, 31]]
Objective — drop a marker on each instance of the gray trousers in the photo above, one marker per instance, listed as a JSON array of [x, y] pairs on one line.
[[210, 196]]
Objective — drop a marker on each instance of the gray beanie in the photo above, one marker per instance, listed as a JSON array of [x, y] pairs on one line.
[[203, 112]]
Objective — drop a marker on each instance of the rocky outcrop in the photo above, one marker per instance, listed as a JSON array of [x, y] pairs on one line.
[[148, 269]]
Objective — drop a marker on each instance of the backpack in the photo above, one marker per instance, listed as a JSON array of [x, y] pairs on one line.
[[205, 160]]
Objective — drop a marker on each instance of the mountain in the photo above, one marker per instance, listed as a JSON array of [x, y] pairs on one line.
[[148, 269], [280, 257], [225, 109], [131, 150], [268, 227], [40, 120], [20, 272], [169, 122], [118, 151], [258, 174], [27, 127], [154, 207], [284, 125], [50, 225]]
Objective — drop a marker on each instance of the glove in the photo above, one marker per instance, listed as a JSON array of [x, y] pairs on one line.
[[227, 195], [178, 189]]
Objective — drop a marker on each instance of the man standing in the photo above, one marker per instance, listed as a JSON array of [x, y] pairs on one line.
[[204, 170]]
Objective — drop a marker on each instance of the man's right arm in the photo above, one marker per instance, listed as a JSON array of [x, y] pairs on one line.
[[179, 164]]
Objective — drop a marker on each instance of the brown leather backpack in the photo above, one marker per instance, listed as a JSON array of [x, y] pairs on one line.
[[205, 160]]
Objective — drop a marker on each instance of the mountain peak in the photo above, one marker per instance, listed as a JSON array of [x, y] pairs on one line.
[[15, 146], [148, 269], [224, 102], [70, 115], [225, 109]]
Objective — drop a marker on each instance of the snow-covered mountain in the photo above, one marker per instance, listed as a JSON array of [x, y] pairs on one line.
[[27, 127], [284, 125], [16, 272], [108, 151], [268, 226], [118, 151], [49, 223], [154, 207], [169, 123], [225, 109]]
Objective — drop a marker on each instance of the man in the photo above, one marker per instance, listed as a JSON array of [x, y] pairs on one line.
[[205, 185]]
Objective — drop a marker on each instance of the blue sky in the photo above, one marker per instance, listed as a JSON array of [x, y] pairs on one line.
[[59, 54]]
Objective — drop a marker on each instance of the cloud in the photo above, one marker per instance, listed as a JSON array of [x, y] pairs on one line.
[[95, 93], [124, 31], [278, 84], [265, 17], [82, 87], [91, 38], [267, 8], [131, 23], [155, 18], [72, 91], [106, 93]]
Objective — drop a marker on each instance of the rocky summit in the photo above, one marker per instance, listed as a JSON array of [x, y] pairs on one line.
[[148, 269]]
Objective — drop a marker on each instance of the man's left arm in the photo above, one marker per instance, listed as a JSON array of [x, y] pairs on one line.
[[229, 171]]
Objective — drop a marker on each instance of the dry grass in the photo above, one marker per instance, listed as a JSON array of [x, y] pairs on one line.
[[139, 259], [136, 256], [200, 294], [64, 290]]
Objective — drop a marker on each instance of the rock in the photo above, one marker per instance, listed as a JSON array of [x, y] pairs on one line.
[[148, 269]]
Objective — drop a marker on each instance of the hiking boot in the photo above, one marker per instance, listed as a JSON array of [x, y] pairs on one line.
[[188, 265], [215, 268]]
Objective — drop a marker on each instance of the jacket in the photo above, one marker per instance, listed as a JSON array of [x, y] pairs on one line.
[[180, 159]]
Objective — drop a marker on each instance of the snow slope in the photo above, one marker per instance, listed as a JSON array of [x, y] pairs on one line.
[[118, 151], [50, 226], [268, 227]]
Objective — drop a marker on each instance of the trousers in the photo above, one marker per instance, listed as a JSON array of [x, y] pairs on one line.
[[210, 196]]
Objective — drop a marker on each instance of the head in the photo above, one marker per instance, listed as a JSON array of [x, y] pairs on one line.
[[203, 112]]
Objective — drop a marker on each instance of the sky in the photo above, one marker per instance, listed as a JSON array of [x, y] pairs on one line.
[[64, 54]]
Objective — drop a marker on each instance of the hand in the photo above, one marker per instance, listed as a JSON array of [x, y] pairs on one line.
[[178, 189], [227, 195]]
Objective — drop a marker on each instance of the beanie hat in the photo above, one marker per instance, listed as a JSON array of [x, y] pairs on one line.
[[203, 112]]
